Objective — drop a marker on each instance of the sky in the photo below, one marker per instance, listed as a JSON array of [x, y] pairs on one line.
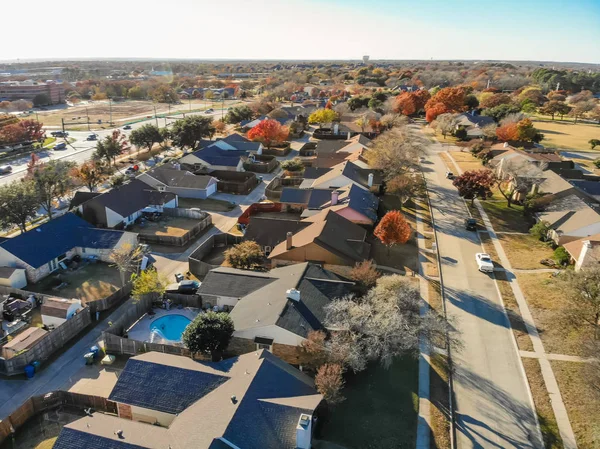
[[540, 30]]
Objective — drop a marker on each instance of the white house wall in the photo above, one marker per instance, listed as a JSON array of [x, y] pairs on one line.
[[52, 320], [112, 218], [151, 416]]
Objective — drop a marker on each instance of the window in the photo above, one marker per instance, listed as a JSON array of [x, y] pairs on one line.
[[52, 265], [267, 250], [83, 250], [264, 343]]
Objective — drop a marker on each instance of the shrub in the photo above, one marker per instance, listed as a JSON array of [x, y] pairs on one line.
[[477, 147], [561, 256], [597, 163], [365, 274], [210, 332], [540, 230], [244, 255], [461, 134], [329, 382], [293, 165]]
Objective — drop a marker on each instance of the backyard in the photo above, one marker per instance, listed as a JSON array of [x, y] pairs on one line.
[[166, 226], [88, 283], [208, 204], [566, 134], [380, 410], [525, 251]]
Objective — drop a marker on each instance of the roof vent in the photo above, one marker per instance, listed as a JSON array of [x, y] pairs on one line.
[[293, 294], [119, 433], [233, 399]]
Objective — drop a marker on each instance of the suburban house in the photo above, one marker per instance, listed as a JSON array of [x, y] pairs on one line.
[[182, 183], [122, 205], [570, 218], [247, 125], [274, 310], [332, 152], [269, 231], [13, 277], [352, 202], [41, 250], [330, 239], [254, 401], [223, 154], [341, 175], [55, 311], [473, 123], [585, 252]]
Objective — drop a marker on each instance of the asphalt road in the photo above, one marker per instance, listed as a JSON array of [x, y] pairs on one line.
[[81, 149], [492, 398]]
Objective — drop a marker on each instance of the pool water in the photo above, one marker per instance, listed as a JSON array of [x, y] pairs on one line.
[[170, 327]]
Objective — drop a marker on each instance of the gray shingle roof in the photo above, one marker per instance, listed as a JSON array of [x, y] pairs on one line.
[[180, 178], [160, 387], [233, 284], [271, 231], [363, 201], [76, 439]]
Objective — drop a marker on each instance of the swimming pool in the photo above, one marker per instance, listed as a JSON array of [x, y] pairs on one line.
[[169, 327]]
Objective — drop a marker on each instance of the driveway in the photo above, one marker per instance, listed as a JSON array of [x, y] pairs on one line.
[[492, 400]]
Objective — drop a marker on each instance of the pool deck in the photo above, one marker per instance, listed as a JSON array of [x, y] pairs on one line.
[[140, 330]]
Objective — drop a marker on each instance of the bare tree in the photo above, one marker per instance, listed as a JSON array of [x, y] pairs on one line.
[[583, 290], [518, 177], [329, 382], [341, 109], [382, 325], [489, 131], [392, 120], [397, 151], [445, 123], [126, 259]]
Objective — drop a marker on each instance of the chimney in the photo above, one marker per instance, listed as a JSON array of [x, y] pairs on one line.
[[334, 197], [505, 145], [370, 181], [349, 136], [177, 166], [304, 432], [580, 262], [293, 294], [336, 128], [288, 241], [260, 148]]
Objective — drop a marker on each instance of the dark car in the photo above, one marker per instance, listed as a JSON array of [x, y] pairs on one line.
[[470, 224], [92, 137], [188, 286], [127, 127], [450, 175]]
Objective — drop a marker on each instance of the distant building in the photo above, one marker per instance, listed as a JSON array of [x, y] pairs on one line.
[[365, 59], [28, 90]]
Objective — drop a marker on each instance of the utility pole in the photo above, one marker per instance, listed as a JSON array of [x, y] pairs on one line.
[[110, 108], [63, 125], [488, 84], [155, 116], [88, 118], [557, 86], [190, 98]]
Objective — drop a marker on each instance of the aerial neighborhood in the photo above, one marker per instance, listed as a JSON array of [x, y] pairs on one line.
[[287, 254]]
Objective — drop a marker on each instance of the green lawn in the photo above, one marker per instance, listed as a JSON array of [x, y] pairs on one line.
[[380, 410], [566, 134], [48, 141], [504, 218]]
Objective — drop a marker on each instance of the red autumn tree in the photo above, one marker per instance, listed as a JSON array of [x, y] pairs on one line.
[[507, 132], [475, 184], [494, 100], [409, 103], [13, 133], [329, 105], [269, 132], [33, 129], [448, 99], [329, 382], [393, 229]]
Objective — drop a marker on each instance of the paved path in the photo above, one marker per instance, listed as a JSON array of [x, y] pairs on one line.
[[493, 404], [560, 412], [13, 391], [559, 357]]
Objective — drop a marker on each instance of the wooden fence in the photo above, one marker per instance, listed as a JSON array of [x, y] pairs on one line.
[[38, 404], [258, 207], [100, 305], [47, 345], [200, 268], [278, 151], [275, 187], [240, 183]]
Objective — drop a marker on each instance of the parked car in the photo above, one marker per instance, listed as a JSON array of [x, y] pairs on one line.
[[450, 175], [209, 111], [59, 134], [4, 169], [132, 169], [188, 286], [127, 127], [484, 262], [92, 137], [60, 146], [470, 224]]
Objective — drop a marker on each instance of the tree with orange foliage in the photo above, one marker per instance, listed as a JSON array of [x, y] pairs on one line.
[[269, 132], [393, 229], [448, 99], [329, 105], [409, 103], [507, 132], [329, 382]]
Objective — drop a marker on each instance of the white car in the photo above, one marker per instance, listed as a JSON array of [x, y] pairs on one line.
[[484, 262]]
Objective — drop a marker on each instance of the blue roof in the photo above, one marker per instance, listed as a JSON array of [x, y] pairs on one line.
[[163, 388], [216, 156], [76, 439], [363, 201], [56, 237]]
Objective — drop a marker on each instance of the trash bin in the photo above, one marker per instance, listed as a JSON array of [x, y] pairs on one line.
[[95, 350], [89, 358], [29, 371], [36, 365]]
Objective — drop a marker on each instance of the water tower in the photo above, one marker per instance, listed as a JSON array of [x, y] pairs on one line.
[[365, 59]]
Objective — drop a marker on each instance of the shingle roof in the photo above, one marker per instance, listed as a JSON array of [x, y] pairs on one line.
[[213, 155], [312, 198], [233, 283], [270, 397], [180, 178], [82, 197], [361, 201], [132, 197], [323, 178], [49, 240], [161, 387], [56, 307], [268, 231]]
